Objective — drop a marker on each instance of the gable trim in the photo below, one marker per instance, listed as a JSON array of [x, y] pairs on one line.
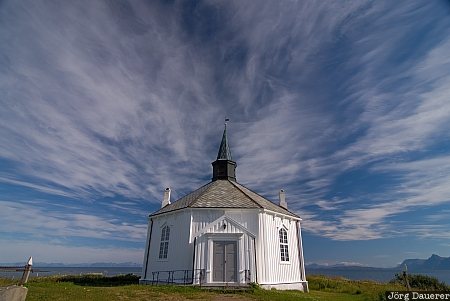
[[219, 220], [290, 217]]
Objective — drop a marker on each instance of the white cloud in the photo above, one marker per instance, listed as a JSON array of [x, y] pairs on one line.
[[16, 250], [424, 185], [90, 119], [47, 224]]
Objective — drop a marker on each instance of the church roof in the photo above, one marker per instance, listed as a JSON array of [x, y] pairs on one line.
[[223, 194]]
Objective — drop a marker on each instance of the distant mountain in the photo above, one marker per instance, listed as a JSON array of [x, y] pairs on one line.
[[340, 266], [315, 266], [435, 262]]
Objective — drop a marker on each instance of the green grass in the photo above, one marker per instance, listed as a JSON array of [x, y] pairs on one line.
[[353, 290], [119, 288]]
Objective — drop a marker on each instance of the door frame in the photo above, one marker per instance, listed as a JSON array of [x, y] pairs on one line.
[[224, 244], [231, 237]]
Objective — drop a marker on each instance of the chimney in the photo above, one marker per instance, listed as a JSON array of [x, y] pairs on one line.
[[166, 199], [282, 197]]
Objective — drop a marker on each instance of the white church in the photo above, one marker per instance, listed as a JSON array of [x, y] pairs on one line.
[[224, 234]]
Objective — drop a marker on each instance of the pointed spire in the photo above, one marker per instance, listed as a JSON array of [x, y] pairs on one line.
[[224, 150], [224, 168]]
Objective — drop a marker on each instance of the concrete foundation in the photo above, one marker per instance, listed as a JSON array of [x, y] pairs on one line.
[[300, 286], [13, 293]]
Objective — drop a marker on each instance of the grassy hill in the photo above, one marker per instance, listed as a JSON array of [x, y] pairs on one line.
[[119, 288]]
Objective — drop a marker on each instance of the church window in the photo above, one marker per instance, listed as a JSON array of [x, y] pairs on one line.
[[284, 251], [164, 246]]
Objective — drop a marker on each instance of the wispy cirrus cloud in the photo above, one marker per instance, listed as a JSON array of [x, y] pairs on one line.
[[80, 113], [59, 223], [423, 185], [386, 115], [59, 252]]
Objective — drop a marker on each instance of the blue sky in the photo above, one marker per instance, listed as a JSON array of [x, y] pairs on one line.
[[344, 104]]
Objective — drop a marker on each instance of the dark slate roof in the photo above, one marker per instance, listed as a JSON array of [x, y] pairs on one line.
[[224, 150], [223, 194]]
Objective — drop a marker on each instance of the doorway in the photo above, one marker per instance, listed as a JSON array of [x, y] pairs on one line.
[[224, 261]]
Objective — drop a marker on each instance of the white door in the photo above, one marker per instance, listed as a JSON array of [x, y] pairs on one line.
[[224, 261]]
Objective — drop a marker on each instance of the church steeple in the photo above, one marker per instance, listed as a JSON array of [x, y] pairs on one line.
[[224, 168], [224, 150]]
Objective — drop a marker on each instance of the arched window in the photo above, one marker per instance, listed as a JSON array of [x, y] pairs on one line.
[[164, 246], [284, 250]]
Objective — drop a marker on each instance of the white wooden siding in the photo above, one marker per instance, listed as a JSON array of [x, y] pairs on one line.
[[180, 250], [271, 270]]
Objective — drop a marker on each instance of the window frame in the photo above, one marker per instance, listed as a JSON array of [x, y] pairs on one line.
[[163, 252], [284, 245]]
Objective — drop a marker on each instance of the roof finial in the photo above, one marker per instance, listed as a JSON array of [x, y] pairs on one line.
[[226, 123]]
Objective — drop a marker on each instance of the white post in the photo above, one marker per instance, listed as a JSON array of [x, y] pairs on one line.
[[302, 259], [26, 271]]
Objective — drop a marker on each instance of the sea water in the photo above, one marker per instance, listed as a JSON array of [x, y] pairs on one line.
[[51, 271]]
